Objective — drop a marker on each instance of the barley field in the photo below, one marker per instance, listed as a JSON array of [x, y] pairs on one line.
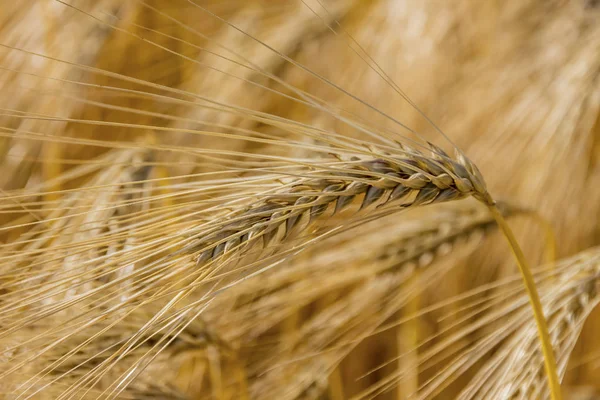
[[299, 199]]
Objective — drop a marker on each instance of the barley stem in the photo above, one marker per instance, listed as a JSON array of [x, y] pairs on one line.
[[534, 299]]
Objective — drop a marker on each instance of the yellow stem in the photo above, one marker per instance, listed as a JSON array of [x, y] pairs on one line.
[[534, 298]]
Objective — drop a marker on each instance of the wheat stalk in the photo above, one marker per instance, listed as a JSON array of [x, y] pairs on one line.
[[226, 217], [409, 182]]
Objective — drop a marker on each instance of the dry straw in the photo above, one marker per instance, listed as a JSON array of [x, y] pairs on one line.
[[174, 169]]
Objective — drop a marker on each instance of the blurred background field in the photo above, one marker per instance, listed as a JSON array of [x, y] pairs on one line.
[[102, 104]]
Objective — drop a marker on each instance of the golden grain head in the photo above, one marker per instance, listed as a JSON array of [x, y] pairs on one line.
[[289, 199]]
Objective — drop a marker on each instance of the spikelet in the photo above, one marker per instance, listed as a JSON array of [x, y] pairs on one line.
[[172, 163]]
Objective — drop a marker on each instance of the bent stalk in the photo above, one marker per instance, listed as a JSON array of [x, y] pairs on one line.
[[534, 299]]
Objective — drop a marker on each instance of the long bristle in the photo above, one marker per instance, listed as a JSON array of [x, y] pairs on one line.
[[271, 199]]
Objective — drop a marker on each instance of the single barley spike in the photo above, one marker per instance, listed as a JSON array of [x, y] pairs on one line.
[[410, 181]]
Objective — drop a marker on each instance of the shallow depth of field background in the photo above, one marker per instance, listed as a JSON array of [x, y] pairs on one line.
[[515, 84]]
